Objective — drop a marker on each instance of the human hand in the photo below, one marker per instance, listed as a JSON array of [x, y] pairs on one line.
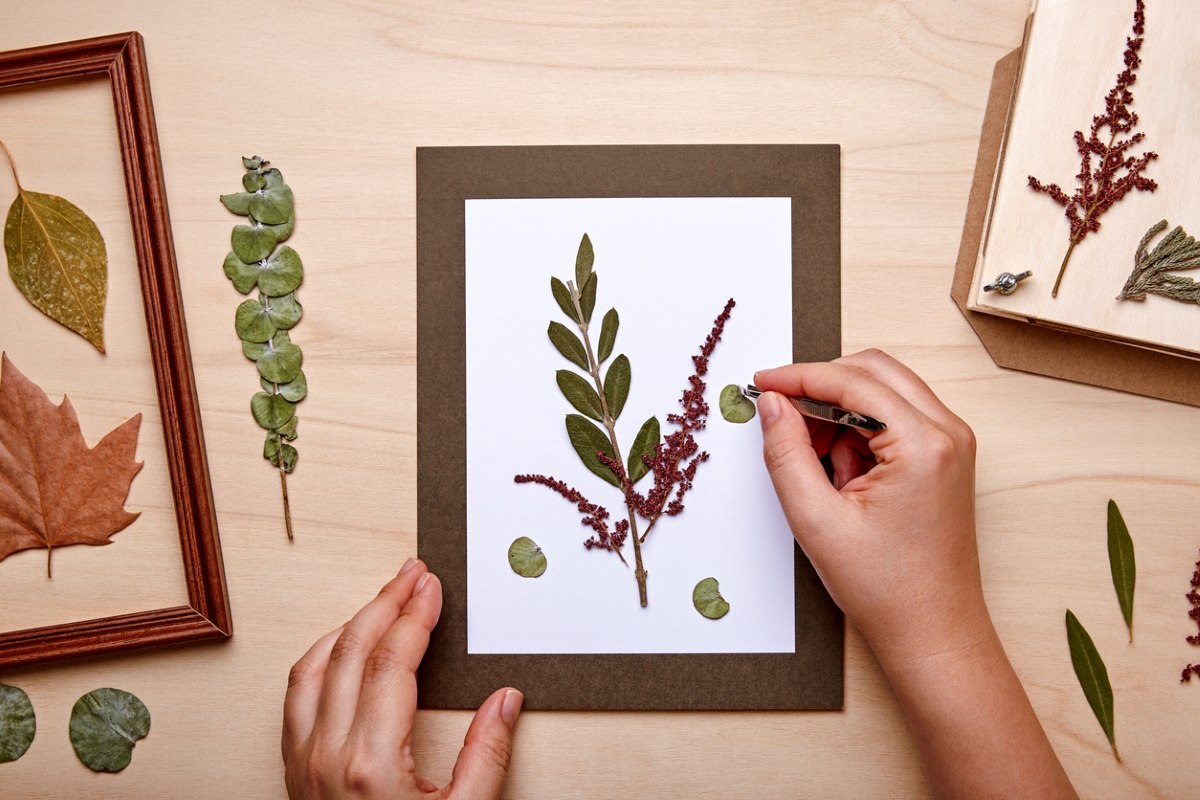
[[893, 538], [352, 698]]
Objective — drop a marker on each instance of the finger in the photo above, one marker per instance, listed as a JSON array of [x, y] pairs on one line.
[[799, 477], [482, 764], [844, 385], [822, 434], [304, 693], [343, 678], [851, 457], [907, 383], [388, 702]]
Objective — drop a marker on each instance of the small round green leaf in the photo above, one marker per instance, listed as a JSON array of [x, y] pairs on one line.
[[707, 599], [271, 452], [735, 406], [18, 725], [288, 431], [253, 181], [252, 322], [252, 243], [526, 558], [280, 361], [273, 178], [271, 411], [616, 385], [285, 230], [254, 162], [254, 350], [105, 724], [294, 390], [580, 394], [272, 206], [243, 275], [284, 312], [281, 273], [237, 203]]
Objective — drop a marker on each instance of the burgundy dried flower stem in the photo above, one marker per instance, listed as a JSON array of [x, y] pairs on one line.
[[1194, 597], [1100, 189]]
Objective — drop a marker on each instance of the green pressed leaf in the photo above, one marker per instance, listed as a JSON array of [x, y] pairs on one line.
[[237, 203], [254, 162], [293, 390], [706, 597], [583, 261], [562, 296], [280, 360], [57, 259], [288, 431], [616, 385], [735, 406], [273, 447], [587, 298], [273, 178], [252, 243], [284, 312], [285, 230], [568, 344], [580, 394], [253, 181], [608, 335], [252, 322], [526, 558], [643, 445], [1093, 677], [588, 440], [272, 206], [281, 273], [18, 725], [105, 724], [1120, 559], [243, 275], [271, 411]]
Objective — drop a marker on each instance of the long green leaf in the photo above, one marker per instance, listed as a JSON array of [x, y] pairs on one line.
[[583, 262], [568, 344], [616, 385], [608, 335], [562, 296], [1093, 677], [588, 440], [580, 394], [587, 298], [643, 445], [1120, 559]]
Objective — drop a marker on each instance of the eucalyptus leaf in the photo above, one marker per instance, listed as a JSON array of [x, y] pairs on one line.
[[526, 558], [735, 406], [281, 273], [273, 178], [706, 597], [18, 725], [271, 451], [272, 206], [293, 390], [288, 431], [252, 322], [280, 361], [285, 230], [1121, 561], [254, 350], [580, 394], [243, 275], [584, 259], [254, 162], [284, 312], [237, 203], [588, 440], [562, 296], [608, 335], [616, 385], [644, 444], [1093, 677], [253, 181], [252, 243], [568, 344], [105, 724], [587, 298], [271, 411]]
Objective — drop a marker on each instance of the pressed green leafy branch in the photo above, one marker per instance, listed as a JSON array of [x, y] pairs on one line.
[[1093, 677], [258, 259], [1177, 251], [1121, 562]]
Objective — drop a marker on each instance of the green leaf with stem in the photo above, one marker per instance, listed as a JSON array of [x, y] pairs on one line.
[[272, 206], [644, 444], [252, 242], [562, 296], [1121, 561], [284, 312], [253, 181], [288, 430], [274, 446], [608, 335], [580, 394], [616, 385], [293, 390], [568, 344], [1093, 677], [587, 298], [252, 322], [281, 273], [583, 261], [588, 440], [271, 411]]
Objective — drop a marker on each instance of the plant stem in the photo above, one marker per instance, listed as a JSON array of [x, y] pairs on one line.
[[287, 509], [611, 424], [12, 165], [1083, 227], [1063, 268], [49, 552]]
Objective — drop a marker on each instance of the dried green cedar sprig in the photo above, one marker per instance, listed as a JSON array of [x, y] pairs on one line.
[[1177, 251], [258, 260]]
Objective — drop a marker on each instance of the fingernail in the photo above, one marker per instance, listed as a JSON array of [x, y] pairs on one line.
[[512, 706], [768, 408], [421, 581], [412, 562]]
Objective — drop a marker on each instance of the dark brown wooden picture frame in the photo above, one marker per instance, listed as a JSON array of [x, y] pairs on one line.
[[122, 57]]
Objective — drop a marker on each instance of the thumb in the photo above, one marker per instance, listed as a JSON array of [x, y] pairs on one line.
[[800, 481], [482, 764]]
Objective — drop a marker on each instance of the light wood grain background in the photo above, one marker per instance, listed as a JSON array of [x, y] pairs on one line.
[[338, 94]]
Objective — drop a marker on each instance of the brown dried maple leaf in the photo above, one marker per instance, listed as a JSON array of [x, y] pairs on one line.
[[54, 490]]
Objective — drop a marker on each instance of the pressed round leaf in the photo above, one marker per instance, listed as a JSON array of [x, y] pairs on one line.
[[252, 322], [237, 203], [252, 243], [273, 178], [281, 273], [272, 449], [254, 350], [253, 181], [18, 725], [254, 162], [707, 599], [271, 410], [272, 206], [284, 312], [105, 724], [288, 430], [526, 558], [285, 230], [296, 389], [735, 406], [243, 275], [280, 362]]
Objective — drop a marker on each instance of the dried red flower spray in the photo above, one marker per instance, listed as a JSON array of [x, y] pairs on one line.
[[1100, 188], [1194, 597]]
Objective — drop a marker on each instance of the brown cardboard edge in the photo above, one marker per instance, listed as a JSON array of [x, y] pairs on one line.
[[1020, 345], [449, 677]]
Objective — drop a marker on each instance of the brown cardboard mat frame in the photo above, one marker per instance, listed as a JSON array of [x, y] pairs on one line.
[[449, 677], [1036, 347]]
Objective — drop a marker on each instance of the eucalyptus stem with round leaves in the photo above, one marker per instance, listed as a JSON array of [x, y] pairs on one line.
[[259, 260]]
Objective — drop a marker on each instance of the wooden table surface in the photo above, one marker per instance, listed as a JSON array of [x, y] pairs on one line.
[[338, 94]]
